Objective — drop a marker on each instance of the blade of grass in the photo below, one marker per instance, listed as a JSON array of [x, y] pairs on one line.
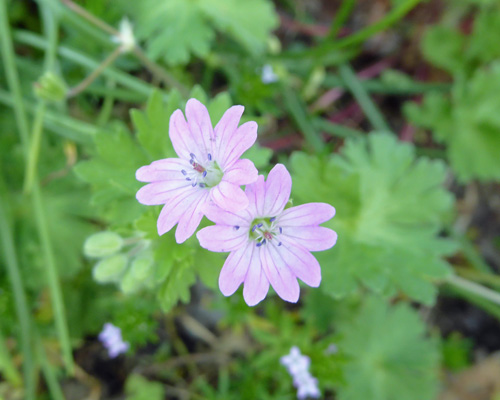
[[49, 374], [39, 211], [354, 86], [7, 367], [298, 112], [22, 310], [343, 13], [336, 129]]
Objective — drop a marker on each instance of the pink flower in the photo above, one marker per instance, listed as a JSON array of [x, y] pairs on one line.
[[208, 168], [111, 338], [295, 362], [268, 244]]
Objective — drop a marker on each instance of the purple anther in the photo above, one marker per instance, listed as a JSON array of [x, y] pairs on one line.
[[279, 244], [188, 179], [192, 156], [236, 227], [202, 185], [193, 184], [209, 157], [260, 244], [254, 228], [184, 172], [264, 241], [272, 219], [260, 225], [281, 229], [204, 174]]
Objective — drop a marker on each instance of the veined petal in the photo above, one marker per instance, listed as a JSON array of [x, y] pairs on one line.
[[255, 193], [160, 170], [216, 214], [278, 187], [191, 218], [229, 197], [172, 212], [161, 192], [239, 142], [226, 128], [299, 260], [306, 215], [222, 238], [313, 238], [181, 137], [242, 172], [256, 283], [235, 269], [281, 277], [200, 126]]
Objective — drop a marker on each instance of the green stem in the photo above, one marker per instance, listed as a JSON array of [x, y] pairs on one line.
[[474, 288], [336, 129], [40, 217], [341, 17], [107, 105], [131, 82], [298, 112], [327, 47], [7, 366], [353, 84], [36, 138], [95, 74], [91, 18], [21, 303], [49, 374]]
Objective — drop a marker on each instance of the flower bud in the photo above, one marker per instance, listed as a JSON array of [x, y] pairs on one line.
[[50, 87]]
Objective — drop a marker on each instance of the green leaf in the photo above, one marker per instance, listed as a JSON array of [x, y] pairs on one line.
[[390, 210], [444, 47], [176, 29], [111, 172], [139, 388], [102, 244], [388, 356], [110, 269], [468, 123], [483, 45]]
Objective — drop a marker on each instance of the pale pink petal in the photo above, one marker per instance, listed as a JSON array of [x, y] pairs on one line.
[[172, 212], [160, 170], [256, 194], [182, 139], [222, 217], [161, 192], [235, 269], [280, 276], [239, 142], [300, 261], [222, 238], [313, 238], [200, 125], [242, 172], [278, 187], [229, 197], [256, 283], [225, 128], [306, 215], [191, 218]]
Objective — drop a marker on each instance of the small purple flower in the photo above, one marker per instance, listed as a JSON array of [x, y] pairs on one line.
[[208, 168], [268, 244], [111, 338], [295, 362], [298, 367]]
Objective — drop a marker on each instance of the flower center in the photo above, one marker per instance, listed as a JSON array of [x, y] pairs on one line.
[[264, 230], [204, 173]]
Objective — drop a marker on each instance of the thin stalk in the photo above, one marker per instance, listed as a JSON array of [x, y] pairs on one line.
[[484, 278], [327, 47], [379, 86], [7, 367], [95, 74], [154, 68], [299, 113], [341, 17], [67, 127], [36, 138], [353, 84], [474, 288], [22, 310], [40, 217], [129, 81], [107, 105], [336, 129], [49, 374]]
